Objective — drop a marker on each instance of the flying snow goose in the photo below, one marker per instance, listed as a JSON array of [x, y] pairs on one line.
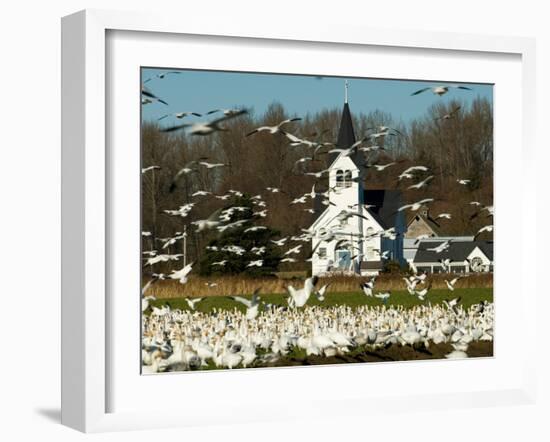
[[181, 274], [300, 200], [206, 127], [146, 301], [211, 222], [163, 258], [250, 304], [221, 263], [147, 169], [416, 168], [273, 129], [440, 90], [299, 297], [384, 129], [411, 285], [441, 247], [201, 193], [321, 292], [296, 141], [452, 282], [183, 211], [294, 250], [489, 209], [185, 170], [256, 263], [180, 115], [422, 293], [318, 174], [226, 112], [193, 302], [449, 115], [415, 206], [488, 229], [211, 165], [151, 96], [446, 264], [383, 296], [171, 241], [452, 304], [255, 229], [421, 184], [382, 167], [279, 242], [162, 75], [367, 287]]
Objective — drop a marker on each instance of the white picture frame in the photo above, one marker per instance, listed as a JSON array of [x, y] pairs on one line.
[[85, 214]]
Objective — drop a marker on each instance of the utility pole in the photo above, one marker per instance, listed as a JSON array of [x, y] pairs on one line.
[[184, 245]]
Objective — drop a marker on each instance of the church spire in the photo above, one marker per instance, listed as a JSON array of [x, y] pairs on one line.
[[346, 134]]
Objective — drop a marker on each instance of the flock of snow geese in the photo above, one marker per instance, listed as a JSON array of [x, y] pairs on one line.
[[187, 339], [180, 340]]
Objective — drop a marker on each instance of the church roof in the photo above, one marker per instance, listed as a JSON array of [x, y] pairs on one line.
[[429, 221], [386, 203], [346, 137], [318, 207]]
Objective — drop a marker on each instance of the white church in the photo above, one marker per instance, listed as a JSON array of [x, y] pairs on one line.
[[362, 244]]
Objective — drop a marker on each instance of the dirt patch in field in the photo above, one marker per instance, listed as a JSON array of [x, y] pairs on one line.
[[390, 353]]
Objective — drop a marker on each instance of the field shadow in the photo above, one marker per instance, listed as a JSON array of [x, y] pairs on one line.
[[51, 414]]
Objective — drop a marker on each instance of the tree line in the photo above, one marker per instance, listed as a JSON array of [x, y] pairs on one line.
[[460, 147]]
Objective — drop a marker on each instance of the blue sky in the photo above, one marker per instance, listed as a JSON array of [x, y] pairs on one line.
[[201, 91]]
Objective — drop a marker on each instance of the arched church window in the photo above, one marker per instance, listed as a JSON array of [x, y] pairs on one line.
[[347, 178], [340, 178]]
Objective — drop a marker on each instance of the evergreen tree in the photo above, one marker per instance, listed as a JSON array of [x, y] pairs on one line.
[[247, 246]]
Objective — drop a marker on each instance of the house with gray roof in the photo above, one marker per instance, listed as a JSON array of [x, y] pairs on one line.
[[462, 254]]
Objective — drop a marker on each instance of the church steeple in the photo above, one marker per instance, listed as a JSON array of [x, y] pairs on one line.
[[346, 135]]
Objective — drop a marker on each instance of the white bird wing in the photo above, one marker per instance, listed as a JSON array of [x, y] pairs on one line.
[[227, 117], [242, 300]]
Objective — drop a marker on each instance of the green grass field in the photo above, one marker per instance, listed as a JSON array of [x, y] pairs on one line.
[[436, 296]]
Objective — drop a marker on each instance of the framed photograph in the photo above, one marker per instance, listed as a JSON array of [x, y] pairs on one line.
[[268, 213]]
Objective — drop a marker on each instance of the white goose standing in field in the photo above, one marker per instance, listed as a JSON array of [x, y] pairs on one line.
[[298, 298], [383, 296]]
